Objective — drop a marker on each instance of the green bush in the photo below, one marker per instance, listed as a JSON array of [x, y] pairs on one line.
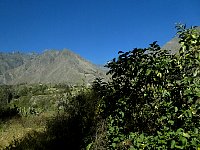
[[153, 98], [6, 95]]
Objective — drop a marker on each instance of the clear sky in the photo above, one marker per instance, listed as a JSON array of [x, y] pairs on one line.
[[94, 29]]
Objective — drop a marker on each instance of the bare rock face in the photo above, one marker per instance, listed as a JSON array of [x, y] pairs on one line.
[[173, 45], [49, 67]]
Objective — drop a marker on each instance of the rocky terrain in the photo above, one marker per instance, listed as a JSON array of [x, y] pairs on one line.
[[49, 67]]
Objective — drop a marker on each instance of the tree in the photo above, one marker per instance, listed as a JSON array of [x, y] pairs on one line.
[[153, 97]]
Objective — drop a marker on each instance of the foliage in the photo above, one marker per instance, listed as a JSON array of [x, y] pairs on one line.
[[5, 95], [38, 98], [73, 127], [153, 98], [151, 102]]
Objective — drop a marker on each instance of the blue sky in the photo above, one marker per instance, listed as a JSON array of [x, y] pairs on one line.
[[94, 29]]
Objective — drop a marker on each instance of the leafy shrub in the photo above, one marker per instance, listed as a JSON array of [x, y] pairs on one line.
[[5, 95], [152, 100]]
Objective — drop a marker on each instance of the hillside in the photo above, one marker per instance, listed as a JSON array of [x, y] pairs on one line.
[[49, 67], [12, 60], [173, 44]]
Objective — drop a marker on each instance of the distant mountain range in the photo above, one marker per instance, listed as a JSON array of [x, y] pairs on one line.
[[49, 67], [55, 67]]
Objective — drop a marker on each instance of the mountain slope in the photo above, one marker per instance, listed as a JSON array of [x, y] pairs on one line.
[[173, 44], [52, 67], [12, 60]]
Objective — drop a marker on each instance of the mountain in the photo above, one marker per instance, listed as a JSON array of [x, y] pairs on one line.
[[173, 44], [12, 60], [49, 67]]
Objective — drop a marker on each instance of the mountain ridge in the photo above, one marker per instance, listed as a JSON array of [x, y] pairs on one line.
[[52, 66]]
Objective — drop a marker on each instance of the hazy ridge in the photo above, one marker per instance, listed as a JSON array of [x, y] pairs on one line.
[[49, 67]]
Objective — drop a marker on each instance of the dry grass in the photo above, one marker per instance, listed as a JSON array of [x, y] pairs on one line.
[[17, 128], [100, 140]]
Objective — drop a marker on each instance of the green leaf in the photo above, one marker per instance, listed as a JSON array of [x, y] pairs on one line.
[[171, 122], [173, 143], [89, 146], [159, 75], [178, 147], [183, 140], [189, 113], [196, 130], [148, 72], [195, 73], [186, 135], [176, 109], [116, 139], [180, 130], [114, 144]]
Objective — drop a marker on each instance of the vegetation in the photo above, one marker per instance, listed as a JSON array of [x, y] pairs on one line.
[[70, 126], [151, 102]]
